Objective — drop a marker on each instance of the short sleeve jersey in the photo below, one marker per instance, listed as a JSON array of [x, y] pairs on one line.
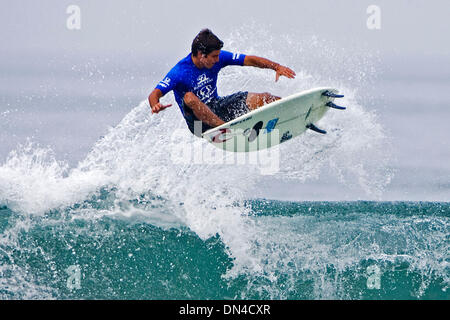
[[186, 77]]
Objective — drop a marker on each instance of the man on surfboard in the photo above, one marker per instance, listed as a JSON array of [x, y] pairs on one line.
[[194, 79]]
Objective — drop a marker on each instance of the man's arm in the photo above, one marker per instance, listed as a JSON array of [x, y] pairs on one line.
[[201, 110], [254, 61], [153, 99]]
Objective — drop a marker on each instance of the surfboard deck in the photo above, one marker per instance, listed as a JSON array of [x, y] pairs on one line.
[[274, 123]]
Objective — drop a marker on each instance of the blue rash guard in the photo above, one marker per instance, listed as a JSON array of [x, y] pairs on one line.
[[186, 77]]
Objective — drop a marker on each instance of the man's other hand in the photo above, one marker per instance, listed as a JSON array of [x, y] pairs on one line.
[[284, 71], [159, 107]]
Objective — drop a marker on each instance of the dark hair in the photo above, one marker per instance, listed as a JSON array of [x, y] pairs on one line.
[[206, 42]]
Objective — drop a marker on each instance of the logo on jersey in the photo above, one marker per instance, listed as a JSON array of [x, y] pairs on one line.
[[206, 93], [236, 56], [204, 88], [165, 83], [202, 79]]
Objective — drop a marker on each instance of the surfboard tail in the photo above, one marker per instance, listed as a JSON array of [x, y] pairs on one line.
[[334, 106], [332, 94], [314, 128]]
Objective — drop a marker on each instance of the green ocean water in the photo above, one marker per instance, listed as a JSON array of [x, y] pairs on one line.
[[305, 250]]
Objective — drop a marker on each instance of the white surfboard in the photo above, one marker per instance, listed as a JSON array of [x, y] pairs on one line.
[[275, 122]]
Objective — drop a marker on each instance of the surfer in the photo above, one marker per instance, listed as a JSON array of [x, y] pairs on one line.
[[194, 82]]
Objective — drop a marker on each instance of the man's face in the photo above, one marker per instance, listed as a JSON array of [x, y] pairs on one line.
[[209, 60]]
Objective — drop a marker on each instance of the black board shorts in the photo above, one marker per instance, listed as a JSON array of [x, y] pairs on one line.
[[226, 108]]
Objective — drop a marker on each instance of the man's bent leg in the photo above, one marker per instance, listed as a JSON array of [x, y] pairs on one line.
[[256, 100]]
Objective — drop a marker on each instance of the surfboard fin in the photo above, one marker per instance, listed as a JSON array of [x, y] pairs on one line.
[[314, 128], [332, 94], [332, 105]]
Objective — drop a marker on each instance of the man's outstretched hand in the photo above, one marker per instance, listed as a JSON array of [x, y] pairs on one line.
[[159, 107], [284, 71]]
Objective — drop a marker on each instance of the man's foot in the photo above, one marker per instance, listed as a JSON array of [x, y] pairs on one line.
[[256, 100]]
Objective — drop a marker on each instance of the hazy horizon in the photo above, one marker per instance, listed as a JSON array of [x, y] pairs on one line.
[[408, 27]]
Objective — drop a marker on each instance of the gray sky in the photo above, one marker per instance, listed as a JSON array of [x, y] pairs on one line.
[[410, 27]]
